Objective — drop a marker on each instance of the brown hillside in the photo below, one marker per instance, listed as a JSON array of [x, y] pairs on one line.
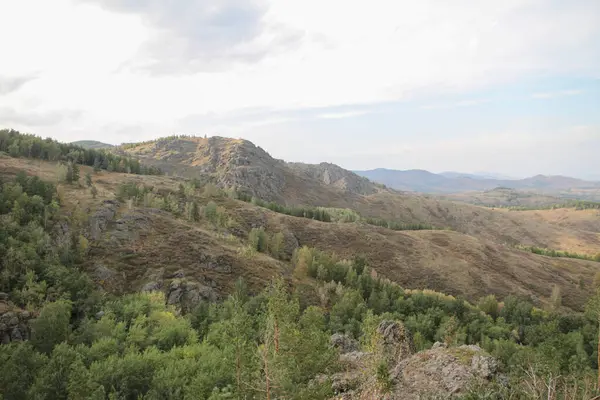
[[142, 246], [240, 164]]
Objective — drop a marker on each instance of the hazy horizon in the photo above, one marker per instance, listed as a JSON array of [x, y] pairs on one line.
[[510, 87]]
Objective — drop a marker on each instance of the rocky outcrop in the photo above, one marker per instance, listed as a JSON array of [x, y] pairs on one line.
[[332, 175], [344, 343], [395, 341], [101, 217], [14, 325], [443, 371], [440, 371], [186, 294]]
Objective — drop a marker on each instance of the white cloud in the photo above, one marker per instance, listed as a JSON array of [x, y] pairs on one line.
[[561, 93], [338, 115], [348, 53], [462, 103]]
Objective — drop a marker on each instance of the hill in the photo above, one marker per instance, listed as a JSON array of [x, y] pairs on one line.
[[427, 182], [92, 144], [140, 245], [240, 164], [131, 286]]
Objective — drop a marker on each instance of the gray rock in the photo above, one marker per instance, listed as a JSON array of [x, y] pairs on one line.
[[397, 343], [100, 219], [3, 296], [177, 275], [219, 267], [344, 343], [5, 337], [174, 296], [15, 335], [99, 314], [484, 366], [103, 273], [439, 344], [152, 286]]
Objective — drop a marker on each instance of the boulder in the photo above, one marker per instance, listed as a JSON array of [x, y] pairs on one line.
[[396, 341], [187, 295], [100, 219], [344, 343]]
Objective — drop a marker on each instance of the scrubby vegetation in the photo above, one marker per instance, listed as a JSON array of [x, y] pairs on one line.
[[18, 144], [34, 264], [327, 214], [272, 344], [559, 253], [398, 226], [576, 204]]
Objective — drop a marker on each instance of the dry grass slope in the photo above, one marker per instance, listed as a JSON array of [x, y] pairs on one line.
[[474, 260]]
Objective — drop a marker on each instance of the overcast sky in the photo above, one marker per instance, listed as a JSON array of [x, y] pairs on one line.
[[509, 86]]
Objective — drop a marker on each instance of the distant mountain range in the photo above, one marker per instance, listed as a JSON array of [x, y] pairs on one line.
[[453, 182], [477, 175], [92, 144]]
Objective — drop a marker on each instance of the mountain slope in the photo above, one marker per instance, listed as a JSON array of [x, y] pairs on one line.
[[143, 247], [240, 164]]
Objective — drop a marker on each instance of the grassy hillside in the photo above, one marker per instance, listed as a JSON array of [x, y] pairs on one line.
[[74, 264], [143, 245]]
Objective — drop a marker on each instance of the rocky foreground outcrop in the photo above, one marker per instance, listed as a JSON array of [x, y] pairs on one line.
[[14, 322], [440, 371]]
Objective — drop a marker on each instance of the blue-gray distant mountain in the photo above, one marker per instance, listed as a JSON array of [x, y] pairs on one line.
[[476, 175], [427, 182], [92, 144]]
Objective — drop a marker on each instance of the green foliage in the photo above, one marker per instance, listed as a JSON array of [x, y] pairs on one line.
[[88, 179], [258, 239], [317, 213], [24, 145], [398, 226], [52, 326], [558, 253], [276, 245]]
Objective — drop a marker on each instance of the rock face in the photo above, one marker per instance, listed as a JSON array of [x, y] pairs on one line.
[[344, 343], [443, 371], [396, 341], [240, 164], [333, 175], [100, 219], [440, 372], [187, 295], [14, 326]]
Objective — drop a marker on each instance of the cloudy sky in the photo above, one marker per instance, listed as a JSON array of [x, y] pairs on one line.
[[508, 86]]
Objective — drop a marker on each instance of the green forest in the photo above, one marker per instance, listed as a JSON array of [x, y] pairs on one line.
[[17, 144], [272, 344], [90, 345]]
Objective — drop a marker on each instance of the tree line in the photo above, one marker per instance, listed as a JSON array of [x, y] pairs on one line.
[[326, 214], [559, 253], [17, 144]]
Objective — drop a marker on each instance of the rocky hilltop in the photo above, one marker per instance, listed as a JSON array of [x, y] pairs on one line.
[[239, 163]]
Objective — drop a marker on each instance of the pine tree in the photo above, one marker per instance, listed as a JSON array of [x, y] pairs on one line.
[[88, 179], [75, 168]]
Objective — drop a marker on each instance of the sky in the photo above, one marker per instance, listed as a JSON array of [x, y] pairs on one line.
[[511, 87]]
